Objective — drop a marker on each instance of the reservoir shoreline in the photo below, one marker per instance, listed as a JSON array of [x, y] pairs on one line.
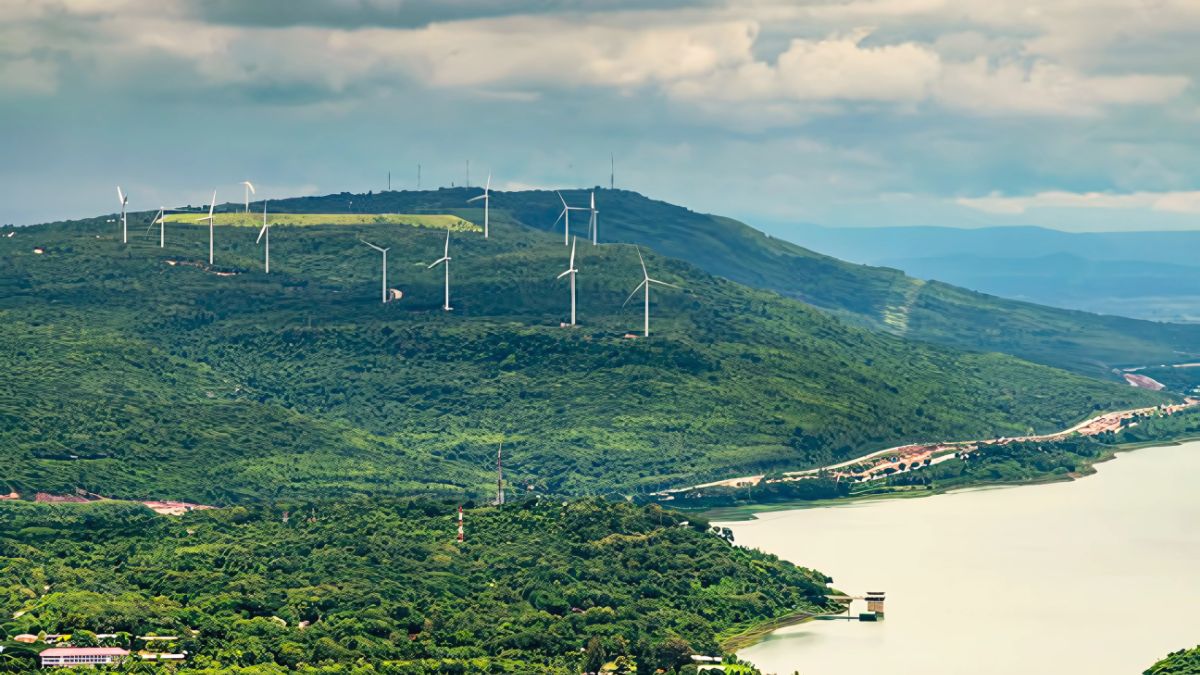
[[1048, 565]]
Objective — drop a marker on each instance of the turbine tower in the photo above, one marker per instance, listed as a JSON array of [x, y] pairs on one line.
[[594, 226], [486, 197], [249, 189], [445, 260], [384, 251], [565, 216], [646, 281], [211, 206], [160, 219], [124, 199], [265, 232], [571, 270]]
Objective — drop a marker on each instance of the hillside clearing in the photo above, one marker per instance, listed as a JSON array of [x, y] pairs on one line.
[[426, 220]]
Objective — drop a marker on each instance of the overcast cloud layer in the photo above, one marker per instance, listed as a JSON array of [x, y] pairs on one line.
[[1078, 114]]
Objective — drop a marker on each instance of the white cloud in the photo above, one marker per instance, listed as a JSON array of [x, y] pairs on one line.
[[1165, 202], [1047, 89], [837, 68]]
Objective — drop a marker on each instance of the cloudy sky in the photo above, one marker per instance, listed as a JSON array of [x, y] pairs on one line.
[[1078, 114]]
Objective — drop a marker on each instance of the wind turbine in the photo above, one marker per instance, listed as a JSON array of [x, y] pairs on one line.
[[249, 189], [565, 216], [571, 270], [594, 226], [160, 219], [445, 259], [384, 252], [211, 206], [124, 199], [266, 232], [646, 281], [486, 197]]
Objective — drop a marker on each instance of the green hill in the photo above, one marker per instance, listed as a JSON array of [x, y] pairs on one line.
[[878, 297], [381, 586], [135, 371]]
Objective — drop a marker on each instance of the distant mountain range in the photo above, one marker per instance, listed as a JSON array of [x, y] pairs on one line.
[[137, 371], [1149, 275]]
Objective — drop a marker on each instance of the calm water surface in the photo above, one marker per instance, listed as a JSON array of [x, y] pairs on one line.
[[1096, 576]]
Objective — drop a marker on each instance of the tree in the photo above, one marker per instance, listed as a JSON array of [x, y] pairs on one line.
[[594, 656]]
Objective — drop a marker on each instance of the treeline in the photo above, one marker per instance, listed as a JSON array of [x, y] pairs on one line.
[[382, 586]]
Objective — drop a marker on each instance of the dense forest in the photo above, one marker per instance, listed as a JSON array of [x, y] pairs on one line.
[[138, 372], [368, 586]]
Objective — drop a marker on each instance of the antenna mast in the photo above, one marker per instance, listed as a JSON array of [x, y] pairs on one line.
[[499, 476]]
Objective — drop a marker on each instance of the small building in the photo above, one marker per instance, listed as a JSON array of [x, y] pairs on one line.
[[71, 657]]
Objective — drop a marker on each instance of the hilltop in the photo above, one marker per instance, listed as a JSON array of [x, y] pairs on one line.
[[879, 298]]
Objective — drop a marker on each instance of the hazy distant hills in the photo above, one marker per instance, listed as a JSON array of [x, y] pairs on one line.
[[1150, 275], [135, 371]]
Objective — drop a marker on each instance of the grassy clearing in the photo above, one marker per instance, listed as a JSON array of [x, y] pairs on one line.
[[431, 221]]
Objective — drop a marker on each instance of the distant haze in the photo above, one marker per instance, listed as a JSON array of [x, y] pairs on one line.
[[1148, 275]]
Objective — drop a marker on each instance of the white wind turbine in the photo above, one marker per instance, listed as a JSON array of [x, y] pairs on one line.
[[565, 216], [571, 270], [266, 232], [646, 281], [486, 197], [160, 219], [594, 226], [124, 199], [209, 218], [384, 252], [249, 190], [445, 260]]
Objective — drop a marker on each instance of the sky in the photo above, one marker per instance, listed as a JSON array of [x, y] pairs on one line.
[[1075, 114]]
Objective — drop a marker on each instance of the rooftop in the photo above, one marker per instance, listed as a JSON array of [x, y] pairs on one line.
[[85, 651]]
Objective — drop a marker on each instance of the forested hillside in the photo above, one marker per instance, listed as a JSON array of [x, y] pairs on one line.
[[382, 586], [878, 297], [134, 371]]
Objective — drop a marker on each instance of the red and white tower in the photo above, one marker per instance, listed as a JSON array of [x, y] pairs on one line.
[[460, 524]]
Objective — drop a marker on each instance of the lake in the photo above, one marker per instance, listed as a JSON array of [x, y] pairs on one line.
[[1097, 576]]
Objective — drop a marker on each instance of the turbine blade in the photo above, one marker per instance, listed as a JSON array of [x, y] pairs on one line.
[[573, 241], [560, 198], [120, 195], [560, 217], [488, 187], [645, 274], [261, 233], [251, 186], [662, 283], [564, 274], [635, 291]]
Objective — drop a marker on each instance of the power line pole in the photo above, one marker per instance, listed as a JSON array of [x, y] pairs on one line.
[[499, 476], [389, 181]]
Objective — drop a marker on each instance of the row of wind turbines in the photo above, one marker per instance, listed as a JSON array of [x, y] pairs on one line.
[[264, 237]]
